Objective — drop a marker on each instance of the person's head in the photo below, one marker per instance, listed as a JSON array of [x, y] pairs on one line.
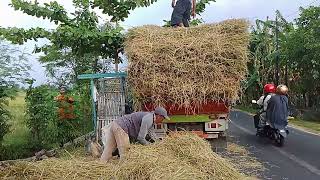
[[161, 114], [62, 90], [282, 89], [269, 88]]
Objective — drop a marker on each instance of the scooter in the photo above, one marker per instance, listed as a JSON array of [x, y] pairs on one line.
[[278, 134]]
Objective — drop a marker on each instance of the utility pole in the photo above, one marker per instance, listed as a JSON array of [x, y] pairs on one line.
[[277, 53]]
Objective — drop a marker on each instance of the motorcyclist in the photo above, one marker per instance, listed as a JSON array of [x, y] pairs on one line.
[[277, 111], [269, 91]]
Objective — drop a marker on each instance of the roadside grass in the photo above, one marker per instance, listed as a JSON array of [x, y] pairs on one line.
[[248, 109], [312, 126], [16, 142]]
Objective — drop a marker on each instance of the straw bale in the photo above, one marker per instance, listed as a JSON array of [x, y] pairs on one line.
[[187, 65], [179, 156]]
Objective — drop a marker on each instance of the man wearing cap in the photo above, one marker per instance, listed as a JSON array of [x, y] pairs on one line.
[[133, 127]]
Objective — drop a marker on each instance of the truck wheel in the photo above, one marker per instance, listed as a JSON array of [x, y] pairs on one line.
[[223, 136]]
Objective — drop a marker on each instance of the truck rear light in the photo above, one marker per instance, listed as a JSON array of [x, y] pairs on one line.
[[213, 125]]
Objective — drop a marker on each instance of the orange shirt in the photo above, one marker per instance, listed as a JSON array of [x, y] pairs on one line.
[[65, 105]]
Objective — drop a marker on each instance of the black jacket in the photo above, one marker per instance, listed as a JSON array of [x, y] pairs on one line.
[[277, 111]]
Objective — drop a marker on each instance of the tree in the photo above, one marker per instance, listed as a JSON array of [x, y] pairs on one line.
[[13, 68], [263, 50], [75, 43], [78, 42], [302, 51], [298, 51]]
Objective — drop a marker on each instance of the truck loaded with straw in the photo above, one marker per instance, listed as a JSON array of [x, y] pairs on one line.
[[195, 73]]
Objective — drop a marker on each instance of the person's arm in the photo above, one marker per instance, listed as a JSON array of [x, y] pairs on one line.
[[194, 4], [266, 102], [173, 3], [152, 134], [146, 123], [260, 101]]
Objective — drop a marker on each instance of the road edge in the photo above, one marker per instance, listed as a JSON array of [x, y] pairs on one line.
[[303, 129]]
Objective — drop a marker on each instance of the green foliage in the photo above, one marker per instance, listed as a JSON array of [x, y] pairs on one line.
[[302, 50], [263, 50], [119, 10], [15, 143], [298, 53], [4, 114], [12, 68], [41, 115], [42, 119], [196, 22], [78, 43], [201, 5], [20, 36], [52, 11]]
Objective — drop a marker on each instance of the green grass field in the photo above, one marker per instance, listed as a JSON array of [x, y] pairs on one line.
[[16, 141], [308, 125], [248, 109]]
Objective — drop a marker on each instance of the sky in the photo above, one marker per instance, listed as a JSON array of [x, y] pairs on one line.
[[155, 14]]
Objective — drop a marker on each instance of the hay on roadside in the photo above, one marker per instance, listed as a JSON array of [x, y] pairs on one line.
[[236, 149], [182, 156], [243, 160], [187, 66]]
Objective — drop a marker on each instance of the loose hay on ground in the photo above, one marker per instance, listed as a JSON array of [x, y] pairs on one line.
[[243, 160], [236, 149], [180, 156], [187, 65]]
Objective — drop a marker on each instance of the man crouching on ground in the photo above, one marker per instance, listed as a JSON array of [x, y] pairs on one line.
[[133, 127]]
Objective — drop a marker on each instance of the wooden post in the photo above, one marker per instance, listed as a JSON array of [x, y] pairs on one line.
[[94, 113]]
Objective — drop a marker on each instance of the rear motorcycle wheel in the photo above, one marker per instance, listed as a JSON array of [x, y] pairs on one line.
[[279, 141]]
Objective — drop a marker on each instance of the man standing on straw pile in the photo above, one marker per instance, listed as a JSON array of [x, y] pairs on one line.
[[182, 11], [134, 127]]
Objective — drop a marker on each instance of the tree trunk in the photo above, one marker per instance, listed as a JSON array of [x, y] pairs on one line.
[[306, 100], [116, 61], [95, 65]]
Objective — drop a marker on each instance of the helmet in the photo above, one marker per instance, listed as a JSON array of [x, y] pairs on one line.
[[282, 89], [269, 88]]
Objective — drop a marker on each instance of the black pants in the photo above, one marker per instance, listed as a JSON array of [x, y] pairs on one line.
[[181, 13]]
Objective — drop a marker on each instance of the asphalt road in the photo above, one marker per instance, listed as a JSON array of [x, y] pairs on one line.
[[298, 159]]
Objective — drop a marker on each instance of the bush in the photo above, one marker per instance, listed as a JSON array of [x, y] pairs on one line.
[[5, 93], [42, 117]]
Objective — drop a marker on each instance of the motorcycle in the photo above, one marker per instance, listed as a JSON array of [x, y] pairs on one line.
[[277, 134]]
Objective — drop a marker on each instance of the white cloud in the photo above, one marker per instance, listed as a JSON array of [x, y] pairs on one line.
[[218, 11], [156, 13]]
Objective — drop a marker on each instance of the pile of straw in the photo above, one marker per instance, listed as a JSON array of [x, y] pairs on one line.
[[243, 160], [180, 156], [187, 65]]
